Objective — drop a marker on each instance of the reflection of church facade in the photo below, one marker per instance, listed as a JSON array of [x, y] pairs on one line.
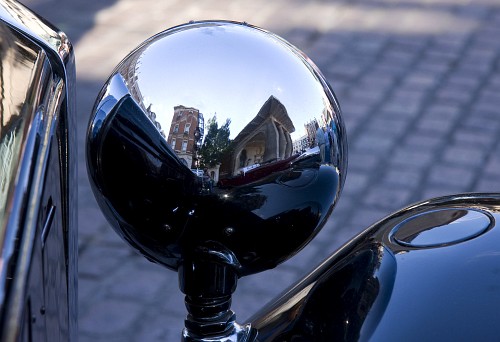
[[265, 139], [186, 131]]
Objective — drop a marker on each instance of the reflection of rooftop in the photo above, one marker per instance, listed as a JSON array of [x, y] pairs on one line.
[[272, 107], [266, 138]]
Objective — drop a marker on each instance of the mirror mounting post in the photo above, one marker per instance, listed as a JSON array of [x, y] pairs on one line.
[[208, 279]]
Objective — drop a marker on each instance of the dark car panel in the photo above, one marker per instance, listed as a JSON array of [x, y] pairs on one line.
[[427, 272], [38, 237]]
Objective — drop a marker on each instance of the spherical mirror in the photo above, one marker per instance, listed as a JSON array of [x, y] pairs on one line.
[[217, 136]]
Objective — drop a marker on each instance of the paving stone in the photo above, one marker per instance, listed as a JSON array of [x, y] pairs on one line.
[[254, 291], [100, 261], [314, 253], [454, 95], [356, 183], [377, 80], [400, 106], [455, 41], [486, 184], [409, 157], [494, 80], [464, 155], [492, 166], [444, 110], [405, 178], [474, 138], [387, 197], [481, 121], [458, 177], [415, 44], [419, 139], [466, 80], [88, 231], [437, 125], [432, 191], [361, 219], [110, 317], [156, 329], [363, 161], [374, 142], [438, 66], [345, 70], [141, 282], [421, 80], [488, 98]]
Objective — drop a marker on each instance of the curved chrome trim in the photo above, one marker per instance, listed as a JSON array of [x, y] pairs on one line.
[[51, 99]]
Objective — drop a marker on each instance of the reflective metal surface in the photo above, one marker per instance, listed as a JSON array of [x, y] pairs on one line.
[[16, 64], [209, 137], [376, 289], [38, 189], [441, 227]]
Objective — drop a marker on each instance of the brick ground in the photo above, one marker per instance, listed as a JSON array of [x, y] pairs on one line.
[[418, 82]]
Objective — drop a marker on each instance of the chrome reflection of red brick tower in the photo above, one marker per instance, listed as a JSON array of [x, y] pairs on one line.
[[181, 136]]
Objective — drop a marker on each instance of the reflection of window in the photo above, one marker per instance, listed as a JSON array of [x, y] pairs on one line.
[[173, 144], [184, 145], [176, 128], [186, 128]]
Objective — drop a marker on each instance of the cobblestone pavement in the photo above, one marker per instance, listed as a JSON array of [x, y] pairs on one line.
[[419, 85]]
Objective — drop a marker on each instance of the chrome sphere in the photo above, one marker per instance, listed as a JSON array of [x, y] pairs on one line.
[[217, 137]]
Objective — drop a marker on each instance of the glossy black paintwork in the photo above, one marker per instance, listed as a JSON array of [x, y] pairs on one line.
[[270, 189], [143, 180], [162, 213], [374, 288]]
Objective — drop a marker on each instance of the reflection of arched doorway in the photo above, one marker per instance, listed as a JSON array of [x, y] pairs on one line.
[[252, 152], [243, 158], [255, 148], [265, 139]]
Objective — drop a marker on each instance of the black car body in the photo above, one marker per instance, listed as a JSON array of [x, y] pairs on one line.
[[38, 239], [427, 272]]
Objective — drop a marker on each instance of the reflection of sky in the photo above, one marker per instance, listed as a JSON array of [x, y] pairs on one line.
[[230, 71]]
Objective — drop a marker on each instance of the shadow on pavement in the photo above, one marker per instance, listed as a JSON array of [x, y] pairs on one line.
[[74, 17]]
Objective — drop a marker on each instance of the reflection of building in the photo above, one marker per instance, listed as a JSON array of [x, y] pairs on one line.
[[311, 128], [301, 144], [152, 116], [186, 133], [265, 139], [186, 129], [18, 58]]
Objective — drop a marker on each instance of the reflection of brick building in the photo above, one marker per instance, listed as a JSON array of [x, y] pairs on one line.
[[181, 136]]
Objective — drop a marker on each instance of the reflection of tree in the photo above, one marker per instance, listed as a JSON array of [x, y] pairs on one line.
[[216, 142]]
